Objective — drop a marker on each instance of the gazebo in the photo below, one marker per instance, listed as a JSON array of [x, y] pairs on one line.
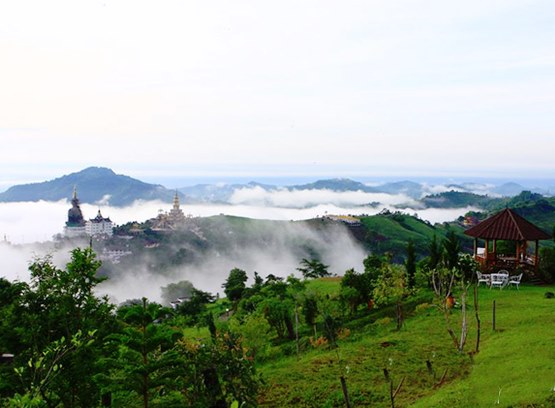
[[506, 225]]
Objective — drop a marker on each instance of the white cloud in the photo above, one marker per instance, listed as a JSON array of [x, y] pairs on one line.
[[31, 222], [257, 196]]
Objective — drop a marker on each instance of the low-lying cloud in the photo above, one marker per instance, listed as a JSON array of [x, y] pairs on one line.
[[257, 196], [27, 222], [278, 256], [30, 226]]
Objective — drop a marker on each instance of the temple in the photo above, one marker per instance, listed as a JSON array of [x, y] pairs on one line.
[[75, 225], [172, 220], [99, 226]]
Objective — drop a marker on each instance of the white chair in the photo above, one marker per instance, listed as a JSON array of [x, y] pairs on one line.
[[500, 279], [482, 277], [515, 280]]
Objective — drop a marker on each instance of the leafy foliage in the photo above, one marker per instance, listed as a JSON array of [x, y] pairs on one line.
[[235, 284], [313, 268]]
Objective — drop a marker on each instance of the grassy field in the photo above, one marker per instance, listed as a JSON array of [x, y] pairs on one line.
[[515, 366]]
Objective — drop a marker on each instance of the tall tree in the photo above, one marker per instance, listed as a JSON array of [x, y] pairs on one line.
[[313, 268], [410, 264], [235, 284], [145, 361], [57, 309], [392, 288], [451, 250], [434, 251], [356, 288]]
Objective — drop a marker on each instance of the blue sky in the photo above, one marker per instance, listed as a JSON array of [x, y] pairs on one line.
[[295, 88]]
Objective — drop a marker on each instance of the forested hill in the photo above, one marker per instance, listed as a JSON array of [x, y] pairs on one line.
[[94, 184]]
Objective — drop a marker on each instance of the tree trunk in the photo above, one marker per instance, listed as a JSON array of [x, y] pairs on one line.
[[464, 326], [477, 318]]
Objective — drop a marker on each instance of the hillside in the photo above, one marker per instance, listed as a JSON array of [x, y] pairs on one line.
[[390, 232], [511, 367], [94, 184]]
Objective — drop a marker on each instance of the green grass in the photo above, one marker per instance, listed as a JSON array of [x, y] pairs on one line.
[[324, 286], [516, 363], [518, 359]]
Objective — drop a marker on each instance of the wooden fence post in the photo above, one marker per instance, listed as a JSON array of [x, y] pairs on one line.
[[345, 392]]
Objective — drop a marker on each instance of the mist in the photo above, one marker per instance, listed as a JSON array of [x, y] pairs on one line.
[[29, 222], [298, 199], [27, 230], [278, 256]]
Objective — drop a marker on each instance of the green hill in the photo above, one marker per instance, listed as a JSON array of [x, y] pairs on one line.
[[514, 364], [390, 232], [93, 184]]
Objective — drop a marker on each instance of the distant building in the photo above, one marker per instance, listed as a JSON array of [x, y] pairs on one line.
[[172, 220], [345, 219], [114, 255], [99, 226], [75, 225], [176, 216]]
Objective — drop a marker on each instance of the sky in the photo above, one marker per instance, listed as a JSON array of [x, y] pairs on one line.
[[277, 88]]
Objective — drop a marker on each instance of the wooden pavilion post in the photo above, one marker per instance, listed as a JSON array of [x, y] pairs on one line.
[[486, 254]]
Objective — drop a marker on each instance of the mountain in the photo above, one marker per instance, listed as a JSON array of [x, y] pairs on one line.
[[509, 189], [338, 184], [218, 193], [456, 199], [409, 188], [222, 193], [94, 184]]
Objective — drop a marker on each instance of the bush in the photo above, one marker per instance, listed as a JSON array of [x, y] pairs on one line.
[[384, 321], [422, 307]]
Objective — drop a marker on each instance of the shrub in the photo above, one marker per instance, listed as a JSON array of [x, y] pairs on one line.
[[422, 307], [319, 342], [384, 321]]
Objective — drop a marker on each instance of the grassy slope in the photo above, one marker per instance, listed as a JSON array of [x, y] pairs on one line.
[[518, 357], [516, 362]]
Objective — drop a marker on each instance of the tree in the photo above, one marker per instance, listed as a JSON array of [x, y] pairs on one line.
[[313, 269], [434, 251], [235, 285], [278, 314], [218, 374], [410, 264], [145, 361], [443, 282], [194, 308], [356, 288], [373, 262], [174, 291], [451, 249], [57, 308], [392, 288], [254, 332], [310, 310]]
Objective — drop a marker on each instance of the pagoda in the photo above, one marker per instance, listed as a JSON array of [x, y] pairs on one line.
[[75, 225], [176, 216]]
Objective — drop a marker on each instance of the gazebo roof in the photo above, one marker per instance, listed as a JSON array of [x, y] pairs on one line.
[[507, 225]]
